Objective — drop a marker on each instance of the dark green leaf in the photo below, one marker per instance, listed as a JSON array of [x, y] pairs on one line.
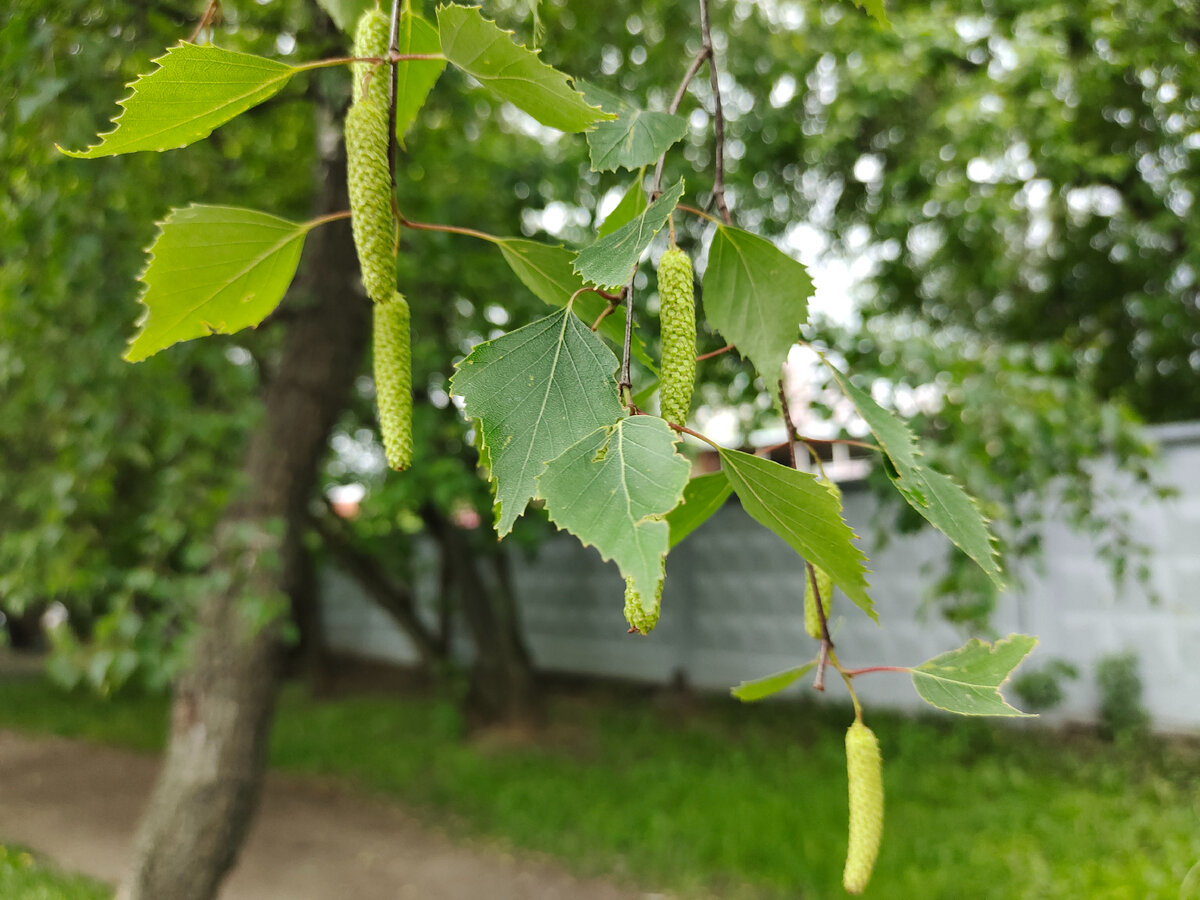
[[635, 138], [967, 680], [756, 296], [511, 72], [535, 392], [609, 262], [632, 204], [702, 497], [613, 488], [415, 78], [805, 514], [943, 503]]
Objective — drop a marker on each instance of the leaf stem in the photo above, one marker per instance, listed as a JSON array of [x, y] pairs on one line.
[[698, 212], [868, 669], [449, 229], [710, 355], [326, 219], [392, 57], [625, 384]]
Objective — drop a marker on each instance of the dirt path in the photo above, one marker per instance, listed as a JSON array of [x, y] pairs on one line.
[[77, 803]]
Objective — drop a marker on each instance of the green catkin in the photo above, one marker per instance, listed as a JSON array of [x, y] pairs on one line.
[[812, 621], [864, 766], [677, 317], [393, 380], [368, 176], [635, 614]]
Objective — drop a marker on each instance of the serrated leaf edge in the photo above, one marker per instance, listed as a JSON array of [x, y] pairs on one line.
[[86, 152]]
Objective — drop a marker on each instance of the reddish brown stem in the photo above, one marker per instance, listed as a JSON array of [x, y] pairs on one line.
[[704, 356]]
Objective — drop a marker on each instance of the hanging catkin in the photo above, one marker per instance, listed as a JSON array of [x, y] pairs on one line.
[[864, 766], [677, 318], [393, 380]]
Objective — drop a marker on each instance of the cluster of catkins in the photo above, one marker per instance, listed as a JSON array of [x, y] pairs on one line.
[[374, 225]]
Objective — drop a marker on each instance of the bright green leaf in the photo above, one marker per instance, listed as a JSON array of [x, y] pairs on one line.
[[535, 392], [799, 508], [967, 680], [415, 78], [756, 296], [636, 137], [702, 497], [214, 270], [511, 72], [875, 9], [750, 691], [937, 497], [631, 205], [194, 90], [612, 489], [609, 261]]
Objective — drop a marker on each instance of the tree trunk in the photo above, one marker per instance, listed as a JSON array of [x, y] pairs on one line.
[[211, 780], [502, 683]]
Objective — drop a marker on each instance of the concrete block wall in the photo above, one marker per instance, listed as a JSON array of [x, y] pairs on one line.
[[733, 607]]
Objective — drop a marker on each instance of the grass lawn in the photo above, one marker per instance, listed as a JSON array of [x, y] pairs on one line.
[[25, 877], [710, 798]]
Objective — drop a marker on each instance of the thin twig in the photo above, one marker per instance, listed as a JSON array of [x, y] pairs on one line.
[[711, 354], [718, 117], [787, 420], [868, 669], [393, 49], [625, 385], [210, 17], [697, 62]]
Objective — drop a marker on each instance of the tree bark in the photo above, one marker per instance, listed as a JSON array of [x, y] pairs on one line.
[[211, 780], [502, 682]]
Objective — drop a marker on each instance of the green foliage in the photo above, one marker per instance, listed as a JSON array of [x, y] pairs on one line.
[[942, 502], [415, 78], [610, 261], [800, 510], [702, 496], [619, 786], [967, 681], [1121, 711], [249, 259], [24, 877], [511, 72], [549, 273], [761, 688], [612, 489], [193, 90], [635, 138], [756, 296], [535, 392], [1041, 689], [631, 205]]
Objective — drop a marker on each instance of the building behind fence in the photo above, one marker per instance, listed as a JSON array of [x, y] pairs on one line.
[[732, 607]]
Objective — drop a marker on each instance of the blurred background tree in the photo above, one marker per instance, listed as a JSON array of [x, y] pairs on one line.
[[1006, 189]]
